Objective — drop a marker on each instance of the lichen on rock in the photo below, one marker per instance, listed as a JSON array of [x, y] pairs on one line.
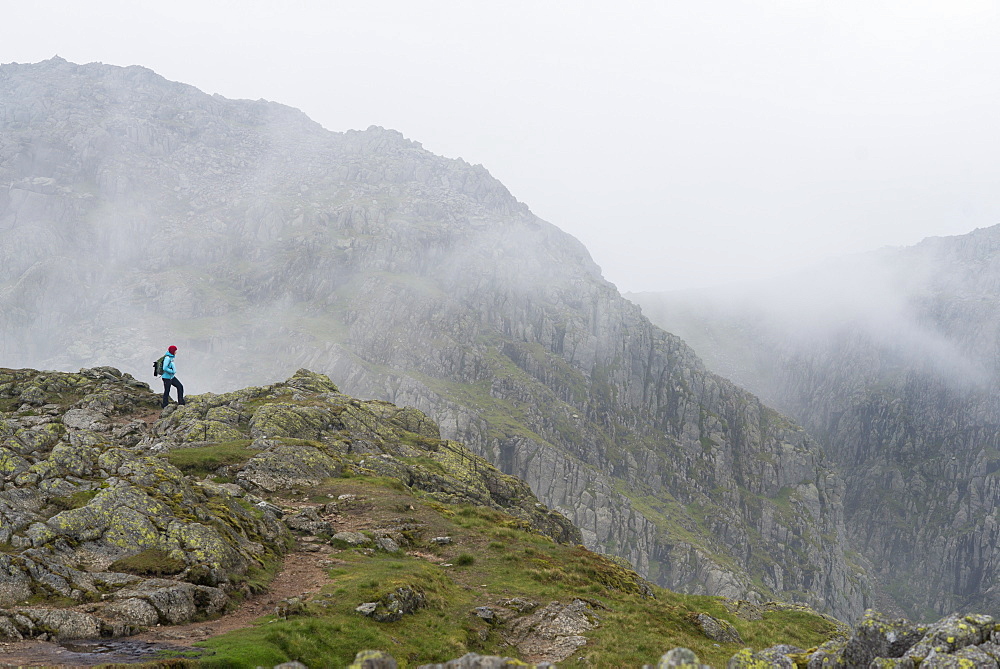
[[93, 510]]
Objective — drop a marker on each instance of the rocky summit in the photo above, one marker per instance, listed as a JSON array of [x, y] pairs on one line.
[[263, 243], [349, 528], [101, 535]]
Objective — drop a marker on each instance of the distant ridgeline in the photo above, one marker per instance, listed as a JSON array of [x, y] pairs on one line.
[[890, 360], [259, 242]]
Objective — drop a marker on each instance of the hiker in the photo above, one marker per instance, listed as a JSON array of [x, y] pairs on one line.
[[169, 378]]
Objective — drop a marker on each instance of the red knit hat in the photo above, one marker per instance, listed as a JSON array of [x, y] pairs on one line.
[[172, 349]]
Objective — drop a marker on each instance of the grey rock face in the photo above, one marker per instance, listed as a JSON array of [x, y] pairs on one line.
[[955, 641], [85, 419], [134, 611], [65, 624], [386, 544], [476, 661], [891, 361], [175, 602], [352, 538], [718, 630], [877, 636], [680, 658], [413, 279], [394, 605], [373, 659], [308, 520], [775, 656], [552, 633]]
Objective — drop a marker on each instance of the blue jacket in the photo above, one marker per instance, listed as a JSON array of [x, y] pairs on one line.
[[168, 366]]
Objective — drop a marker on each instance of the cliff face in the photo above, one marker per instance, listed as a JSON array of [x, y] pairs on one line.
[[891, 361], [258, 242]]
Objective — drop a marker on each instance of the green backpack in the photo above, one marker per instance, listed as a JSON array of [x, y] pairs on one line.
[[158, 365]]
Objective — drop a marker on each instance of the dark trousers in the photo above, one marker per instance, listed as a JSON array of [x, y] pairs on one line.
[[166, 391]]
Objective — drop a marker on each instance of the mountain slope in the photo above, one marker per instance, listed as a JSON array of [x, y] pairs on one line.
[[891, 360], [88, 493], [258, 242], [118, 519]]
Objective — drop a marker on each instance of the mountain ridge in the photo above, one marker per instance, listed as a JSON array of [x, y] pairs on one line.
[[899, 384], [261, 243]]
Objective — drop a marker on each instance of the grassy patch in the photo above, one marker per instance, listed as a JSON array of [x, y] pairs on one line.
[[493, 559], [10, 404], [428, 463], [381, 481], [204, 460], [418, 440], [150, 562], [799, 628], [75, 501], [333, 637]]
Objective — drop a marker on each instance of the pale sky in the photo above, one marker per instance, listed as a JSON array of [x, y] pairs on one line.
[[685, 143]]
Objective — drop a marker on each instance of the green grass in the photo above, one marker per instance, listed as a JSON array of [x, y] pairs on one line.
[[494, 557], [428, 463], [150, 562], [73, 501], [10, 404], [204, 460], [336, 634]]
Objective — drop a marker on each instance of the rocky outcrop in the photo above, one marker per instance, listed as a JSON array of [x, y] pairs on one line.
[[891, 361], [877, 641], [87, 515], [273, 244], [94, 516]]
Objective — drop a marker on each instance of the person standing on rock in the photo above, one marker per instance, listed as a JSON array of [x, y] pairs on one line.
[[170, 378]]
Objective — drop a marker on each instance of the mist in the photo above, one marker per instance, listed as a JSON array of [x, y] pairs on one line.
[[873, 296], [686, 145], [258, 242], [242, 232]]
